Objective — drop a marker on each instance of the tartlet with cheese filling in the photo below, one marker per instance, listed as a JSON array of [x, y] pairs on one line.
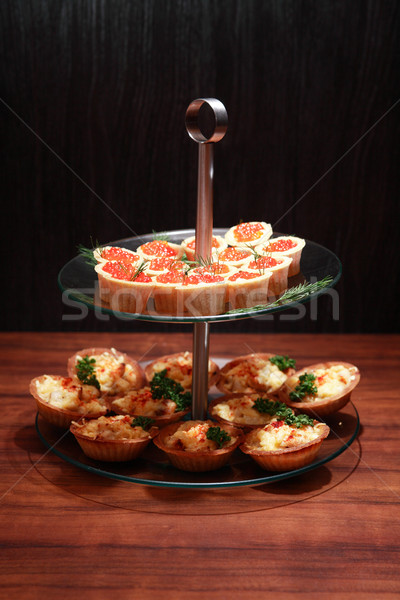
[[284, 245], [248, 234], [114, 371], [125, 287], [247, 411], [280, 446], [198, 445], [321, 389], [262, 371], [179, 367], [61, 400], [113, 439], [141, 403]]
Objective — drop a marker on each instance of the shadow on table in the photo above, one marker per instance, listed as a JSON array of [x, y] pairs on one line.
[[237, 488]]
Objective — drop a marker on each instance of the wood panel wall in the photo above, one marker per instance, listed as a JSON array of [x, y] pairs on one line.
[[94, 94]]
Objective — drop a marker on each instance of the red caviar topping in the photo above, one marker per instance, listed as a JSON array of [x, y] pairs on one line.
[[170, 277], [177, 265], [214, 268], [232, 254], [265, 262], [243, 275], [280, 246], [120, 254], [214, 244], [192, 280], [125, 272], [248, 232], [161, 263], [158, 248]]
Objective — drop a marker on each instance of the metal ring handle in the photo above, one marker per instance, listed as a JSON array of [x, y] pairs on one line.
[[220, 116]]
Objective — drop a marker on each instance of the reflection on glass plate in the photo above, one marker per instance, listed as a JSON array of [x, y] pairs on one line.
[[153, 468], [78, 280]]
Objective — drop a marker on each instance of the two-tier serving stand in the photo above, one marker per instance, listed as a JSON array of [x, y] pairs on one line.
[[78, 283]]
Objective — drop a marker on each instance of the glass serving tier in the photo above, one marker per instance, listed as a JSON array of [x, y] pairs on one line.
[[78, 280], [153, 469]]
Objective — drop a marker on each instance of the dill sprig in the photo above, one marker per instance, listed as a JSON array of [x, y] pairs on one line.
[[87, 253], [140, 269], [294, 294], [160, 236]]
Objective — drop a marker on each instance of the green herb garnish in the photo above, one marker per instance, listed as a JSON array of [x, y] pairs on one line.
[[165, 388], [218, 435], [143, 422], [86, 372], [272, 407], [141, 269], [299, 420], [294, 294], [283, 362], [87, 253], [161, 236], [282, 412], [305, 387]]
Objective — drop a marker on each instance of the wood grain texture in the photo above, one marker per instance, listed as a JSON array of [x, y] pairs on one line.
[[95, 145], [327, 534]]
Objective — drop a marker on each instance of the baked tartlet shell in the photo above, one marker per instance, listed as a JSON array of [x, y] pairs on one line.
[[112, 450], [246, 427], [326, 406], [159, 420], [140, 376], [197, 461], [288, 459], [60, 417], [121, 295], [233, 363], [213, 373]]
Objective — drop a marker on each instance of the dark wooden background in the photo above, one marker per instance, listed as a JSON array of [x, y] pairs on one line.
[[94, 95]]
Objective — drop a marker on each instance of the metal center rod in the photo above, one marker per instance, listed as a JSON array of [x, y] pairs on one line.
[[203, 240], [201, 331]]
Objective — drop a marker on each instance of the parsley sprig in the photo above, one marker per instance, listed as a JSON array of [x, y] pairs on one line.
[[165, 388], [305, 387], [218, 435], [283, 362], [85, 370], [143, 422], [282, 412]]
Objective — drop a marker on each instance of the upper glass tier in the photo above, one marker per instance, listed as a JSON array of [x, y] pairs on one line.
[[78, 280]]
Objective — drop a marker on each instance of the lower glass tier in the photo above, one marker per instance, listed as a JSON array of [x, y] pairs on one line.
[[78, 280], [153, 468]]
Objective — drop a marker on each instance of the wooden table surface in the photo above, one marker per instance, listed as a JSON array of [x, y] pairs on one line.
[[330, 533]]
